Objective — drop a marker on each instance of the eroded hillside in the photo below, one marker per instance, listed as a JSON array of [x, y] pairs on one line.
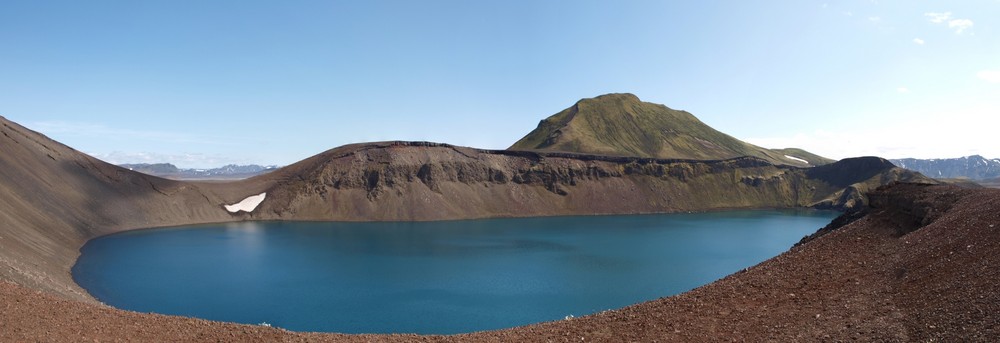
[[429, 181]]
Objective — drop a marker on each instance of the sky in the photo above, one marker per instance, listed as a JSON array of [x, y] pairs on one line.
[[207, 83]]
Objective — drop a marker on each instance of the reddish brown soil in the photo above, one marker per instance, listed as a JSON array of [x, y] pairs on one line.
[[922, 266]]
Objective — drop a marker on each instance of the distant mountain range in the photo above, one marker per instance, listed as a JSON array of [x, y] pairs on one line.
[[973, 167], [227, 172], [621, 124]]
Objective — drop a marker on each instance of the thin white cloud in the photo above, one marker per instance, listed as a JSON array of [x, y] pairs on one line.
[[902, 90], [960, 25], [918, 41], [938, 17], [848, 13], [874, 19], [992, 76], [957, 24]]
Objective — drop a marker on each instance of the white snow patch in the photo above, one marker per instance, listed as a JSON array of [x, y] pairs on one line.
[[796, 159], [247, 205]]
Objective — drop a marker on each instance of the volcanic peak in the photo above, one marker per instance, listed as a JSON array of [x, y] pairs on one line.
[[621, 124]]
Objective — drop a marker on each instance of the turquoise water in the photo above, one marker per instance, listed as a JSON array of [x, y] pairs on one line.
[[428, 277]]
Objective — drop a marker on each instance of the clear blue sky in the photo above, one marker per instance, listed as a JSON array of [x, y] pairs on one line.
[[205, 83]]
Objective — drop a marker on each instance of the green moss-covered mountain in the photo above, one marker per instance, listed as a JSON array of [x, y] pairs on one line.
[[621, 124]]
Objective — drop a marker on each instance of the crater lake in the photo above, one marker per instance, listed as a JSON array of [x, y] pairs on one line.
[[428, 277]]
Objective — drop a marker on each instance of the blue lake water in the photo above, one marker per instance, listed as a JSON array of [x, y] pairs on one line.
[[428, 277]]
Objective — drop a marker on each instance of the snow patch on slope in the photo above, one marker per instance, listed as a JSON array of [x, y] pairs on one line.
[[247, 205], [796, 159]]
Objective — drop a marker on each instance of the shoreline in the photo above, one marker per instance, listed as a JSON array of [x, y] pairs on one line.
[[844, 285]]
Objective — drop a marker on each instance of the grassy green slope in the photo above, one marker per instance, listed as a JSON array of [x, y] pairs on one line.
[[621, 124]]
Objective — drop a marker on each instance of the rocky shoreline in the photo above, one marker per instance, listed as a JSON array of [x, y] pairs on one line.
[[920, 266]]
